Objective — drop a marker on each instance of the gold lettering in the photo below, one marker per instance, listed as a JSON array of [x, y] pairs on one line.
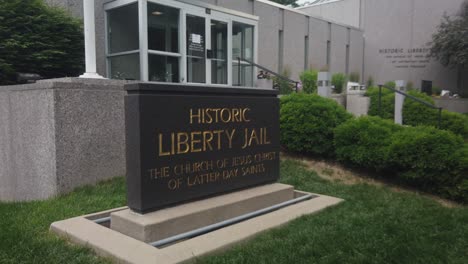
[[161, 152], [206, 140], [198, 116], [230, 136], [181, 143], [195, 141], [244, 114]]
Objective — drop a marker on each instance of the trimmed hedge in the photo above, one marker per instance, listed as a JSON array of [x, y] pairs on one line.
[[364, 142], [414, 113], [307, 122], [387, 103], [430, 159], [309, 81]]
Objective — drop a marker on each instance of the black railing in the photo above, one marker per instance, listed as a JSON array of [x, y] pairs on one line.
[[439, 123], [239, 72]]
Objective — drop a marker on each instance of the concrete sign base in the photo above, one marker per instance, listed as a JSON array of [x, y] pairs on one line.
[[125, 249]]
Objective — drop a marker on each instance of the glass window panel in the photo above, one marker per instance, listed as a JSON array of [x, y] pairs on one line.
[[123, 28], [196, 70], [218, 72], [163, 28], [125, 67], [246, 75], [219, 49], [163, 68], [242, 41]]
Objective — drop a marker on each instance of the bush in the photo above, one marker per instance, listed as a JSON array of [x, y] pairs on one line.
[[364, 142], [391, 84], [307, 122], [339, 81], [284, 86], [309, 81], [436, 90], [387, 103], [354, 77], [35, 38], [415, 113], [370, 82], [429, 158]]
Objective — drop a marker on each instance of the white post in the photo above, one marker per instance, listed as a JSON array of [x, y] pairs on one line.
[[323, 84], [399, 101], [90, 40]]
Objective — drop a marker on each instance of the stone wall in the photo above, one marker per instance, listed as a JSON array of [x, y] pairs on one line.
[[59, 134]]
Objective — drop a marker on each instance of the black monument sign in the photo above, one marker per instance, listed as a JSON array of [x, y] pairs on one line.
[[187, 142]]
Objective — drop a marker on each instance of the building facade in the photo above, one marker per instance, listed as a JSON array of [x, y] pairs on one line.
[[385, 40], [282, 38], [397, 35]]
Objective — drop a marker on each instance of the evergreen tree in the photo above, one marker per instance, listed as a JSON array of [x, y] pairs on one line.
[[36, 38], [450, 43]]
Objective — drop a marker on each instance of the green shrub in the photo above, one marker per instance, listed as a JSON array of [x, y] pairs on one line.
[[307, 122], [364, 142], [455, 122], [36, 38], [436, 90], [339, 81], [416, 113], [429, 158], [370, 82], [390, 84], [387, 103], [284, 86], [409, 86], [354, 77], [309, 81]]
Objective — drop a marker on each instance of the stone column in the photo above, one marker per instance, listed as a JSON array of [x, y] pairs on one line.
[[90, 40], [399, 100]]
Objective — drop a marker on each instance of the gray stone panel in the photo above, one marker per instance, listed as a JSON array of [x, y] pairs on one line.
[[7, 182], [60, 134], [32, 146], [356, 51], [294, 38], [339, 41], [404, 24], [318, 37], [90, 133], [245, 6], [268, 28]]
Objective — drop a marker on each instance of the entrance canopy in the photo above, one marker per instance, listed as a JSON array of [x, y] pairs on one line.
[[179, 42]]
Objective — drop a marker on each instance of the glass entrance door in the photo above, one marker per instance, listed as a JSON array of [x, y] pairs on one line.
[[218, 53], [207, 50], [196, 49]]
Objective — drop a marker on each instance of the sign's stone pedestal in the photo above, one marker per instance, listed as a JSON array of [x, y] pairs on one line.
[[175, 220], [196, 156]]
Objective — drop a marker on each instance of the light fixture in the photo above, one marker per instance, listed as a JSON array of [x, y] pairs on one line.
[[157, 13]]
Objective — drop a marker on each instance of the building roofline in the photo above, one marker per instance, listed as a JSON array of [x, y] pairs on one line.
[[297, 11]]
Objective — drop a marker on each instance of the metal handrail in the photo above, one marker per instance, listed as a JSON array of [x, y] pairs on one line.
[[412, 98], [239, 59]]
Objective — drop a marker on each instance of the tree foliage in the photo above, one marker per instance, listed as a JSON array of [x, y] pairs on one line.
[[450, 43], [286, 2], [36, 38]]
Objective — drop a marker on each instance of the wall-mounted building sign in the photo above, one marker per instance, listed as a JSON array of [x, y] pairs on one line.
[[186, 143], [411, 58]]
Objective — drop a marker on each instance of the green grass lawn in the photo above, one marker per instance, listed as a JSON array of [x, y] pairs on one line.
[[373, 225]]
